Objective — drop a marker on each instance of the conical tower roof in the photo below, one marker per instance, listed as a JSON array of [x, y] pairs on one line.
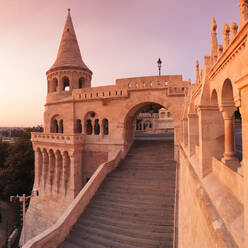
[[69, 53]]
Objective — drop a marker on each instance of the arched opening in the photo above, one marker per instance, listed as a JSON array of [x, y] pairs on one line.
[[61, 126], [142, 122], [96, 127], [105, 126], [54, 85], [78, 126], [228, 109], [88, 127], [81, 83], [54, 126], [66, 83]]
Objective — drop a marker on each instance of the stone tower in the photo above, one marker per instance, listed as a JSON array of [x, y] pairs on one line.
[[58, 151]]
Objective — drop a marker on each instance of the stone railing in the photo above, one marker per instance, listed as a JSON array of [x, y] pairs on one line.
[[57, 233], [58, 138]]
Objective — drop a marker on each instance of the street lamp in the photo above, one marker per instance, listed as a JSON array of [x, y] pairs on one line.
[[23, 199], [159, 62]]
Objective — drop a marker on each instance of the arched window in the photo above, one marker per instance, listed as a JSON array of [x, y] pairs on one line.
[[54, 126], [78, 126], [88, 127], [66, 83], [61, 126], [105, 127], [96, 127], [81, 83], [54, 85]]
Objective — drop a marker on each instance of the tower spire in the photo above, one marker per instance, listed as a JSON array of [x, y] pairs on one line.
[[214, 42], [69, 53]]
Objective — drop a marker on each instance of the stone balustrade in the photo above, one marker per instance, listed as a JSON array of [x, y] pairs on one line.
[[58, 138], [56, 234]]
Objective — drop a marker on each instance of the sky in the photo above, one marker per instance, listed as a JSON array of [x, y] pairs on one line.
[[117, 39]]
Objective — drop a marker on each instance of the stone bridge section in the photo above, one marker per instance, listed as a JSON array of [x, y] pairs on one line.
[[134, 207]]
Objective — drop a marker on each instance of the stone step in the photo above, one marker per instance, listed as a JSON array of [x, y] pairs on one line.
[[134, 202], [137, 197], [124, 230], [147, 217], [134, 206], [126, 223], [116, 238], [126, 206]]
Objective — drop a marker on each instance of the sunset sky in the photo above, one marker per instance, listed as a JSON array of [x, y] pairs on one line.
[[117, 38]]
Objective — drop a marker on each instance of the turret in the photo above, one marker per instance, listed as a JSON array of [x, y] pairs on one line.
[[68, 71], [214, 42], [243, 5], [226, 36]]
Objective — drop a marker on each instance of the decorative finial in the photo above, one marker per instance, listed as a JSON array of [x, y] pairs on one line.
[[213, 25], [234, 30], [226, 38], [214, 42], [243, 5], [69, 10]]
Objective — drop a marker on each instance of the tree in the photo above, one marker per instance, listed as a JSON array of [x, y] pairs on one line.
[[18, 173]]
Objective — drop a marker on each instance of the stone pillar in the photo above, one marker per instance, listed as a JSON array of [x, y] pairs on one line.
[[58, 173], [244, 112], [76, 173], [60, 83], [193, 133], [45, 172], [226, 34], [229, 156], [234, 30], [51, 170], [37, 174], [243, 5], [211, 137]]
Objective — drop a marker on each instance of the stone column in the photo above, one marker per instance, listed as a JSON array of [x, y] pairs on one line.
[[58, 173], [45, 169], [243, 5], [37, 176], [51, 170], [211, 137], [76, 173], [229, 156], [193, 133]]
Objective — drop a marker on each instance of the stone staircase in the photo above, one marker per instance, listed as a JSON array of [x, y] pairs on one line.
[[134, 207]]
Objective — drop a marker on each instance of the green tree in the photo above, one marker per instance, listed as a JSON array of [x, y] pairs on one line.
[[18, 173]]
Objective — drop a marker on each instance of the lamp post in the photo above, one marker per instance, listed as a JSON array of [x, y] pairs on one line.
[[159, 62], [23, 199]]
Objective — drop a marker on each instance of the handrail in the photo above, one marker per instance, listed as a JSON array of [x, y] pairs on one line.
[[57, 233]]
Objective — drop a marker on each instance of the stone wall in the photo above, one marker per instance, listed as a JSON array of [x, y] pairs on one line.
[[199, 224], [91, 161]]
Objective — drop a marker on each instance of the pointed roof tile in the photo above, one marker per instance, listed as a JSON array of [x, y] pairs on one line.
[[69, 53]]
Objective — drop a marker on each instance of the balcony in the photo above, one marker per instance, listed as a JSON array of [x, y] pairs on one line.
[[58, 138]]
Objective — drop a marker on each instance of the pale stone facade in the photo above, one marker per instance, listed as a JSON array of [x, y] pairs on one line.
[[212, 184]]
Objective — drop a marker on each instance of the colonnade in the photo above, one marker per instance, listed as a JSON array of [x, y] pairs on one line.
[[53, 171]]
